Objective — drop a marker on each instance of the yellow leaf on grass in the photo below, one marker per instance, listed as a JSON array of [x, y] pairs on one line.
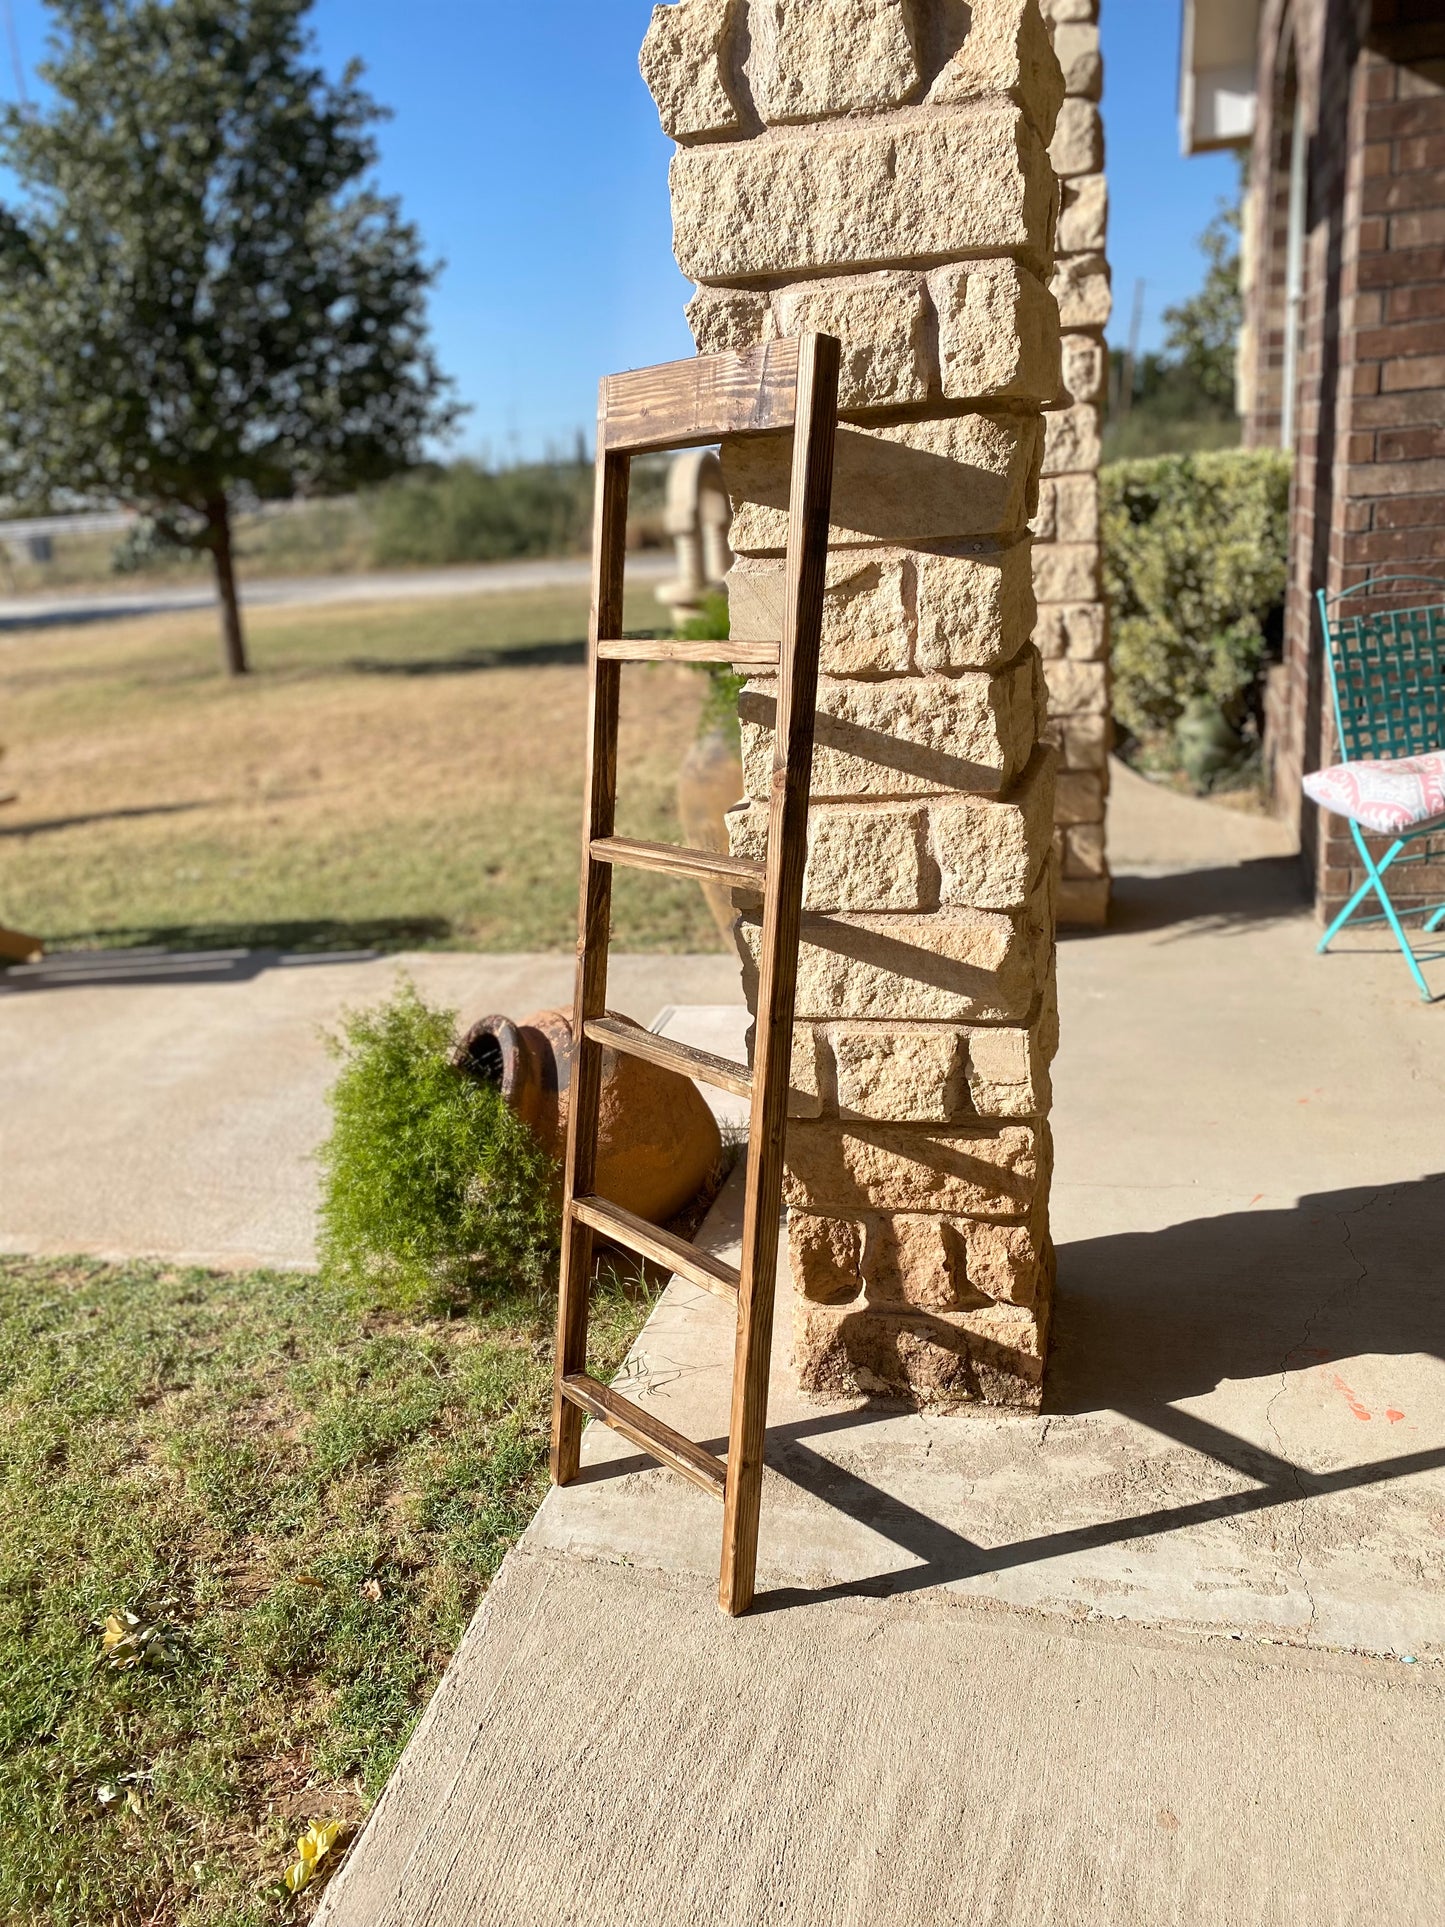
[[310, 1579], [311, 1849]]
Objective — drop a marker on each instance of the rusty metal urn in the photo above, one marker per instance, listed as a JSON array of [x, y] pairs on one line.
[[657, 1140]]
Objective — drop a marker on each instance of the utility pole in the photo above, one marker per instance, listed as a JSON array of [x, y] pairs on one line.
[[1131, 353]]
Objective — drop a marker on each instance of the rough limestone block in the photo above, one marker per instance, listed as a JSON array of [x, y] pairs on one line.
[[723, 319], [959, 966], [908, 1074], [998, 332], [1083, 215], [882, 321], [936, 1073], [979, 1170], [1076, 499], [973, 611], [867, 610], [1084, 742], [858, 859], [1007, 1068], [1076, 47], [989, 850], [1071, 440], [912, 737], [1076, 687], [1072, 629], [1080, 799], [860, 195], [683, 61], [1001, 48], [1078, 143], [1081, 287], [1084, 900], [1084, 850], [825, 1257], [944, 480], [952, 1264], [812, 59], [928, 1358], [1084, 366], [1066, 571]]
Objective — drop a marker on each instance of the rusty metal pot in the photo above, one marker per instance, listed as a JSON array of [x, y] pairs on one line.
[[657, 1140]]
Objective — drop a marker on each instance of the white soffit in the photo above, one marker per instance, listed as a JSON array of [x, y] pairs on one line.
[[1217, 74]]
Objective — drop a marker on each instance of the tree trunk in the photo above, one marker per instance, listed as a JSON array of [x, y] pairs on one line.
[[233, 642]]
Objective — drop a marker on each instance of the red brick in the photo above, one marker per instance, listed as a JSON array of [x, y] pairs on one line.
[[1394, 270], [1410, 303], [1423, 150], [1399, 119], [1365, 378], [1380, 80], [1369, 310], [1413, 371], [1374, 234], [1417, 337], [1403, 545], [1396, 478], [1393, 193], [1413, 230], [1405, 444], [1359, 517], [1397, 410], [1410, 512]]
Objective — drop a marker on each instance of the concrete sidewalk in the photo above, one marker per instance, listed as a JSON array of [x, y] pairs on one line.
[[170, 1105], [1170, 1653]]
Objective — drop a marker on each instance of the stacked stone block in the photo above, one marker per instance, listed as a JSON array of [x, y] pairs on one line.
[[879, 169], [1073, 631]]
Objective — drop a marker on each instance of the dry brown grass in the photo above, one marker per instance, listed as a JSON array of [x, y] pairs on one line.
[[393, 773]]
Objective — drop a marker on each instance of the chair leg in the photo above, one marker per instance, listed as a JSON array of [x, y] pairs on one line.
[[1376, 882], [1439, 917]]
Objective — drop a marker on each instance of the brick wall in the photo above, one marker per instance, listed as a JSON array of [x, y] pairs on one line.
[[1369, 485]]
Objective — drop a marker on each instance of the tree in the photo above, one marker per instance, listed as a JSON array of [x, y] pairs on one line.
[[1200, 334], [202, 298]]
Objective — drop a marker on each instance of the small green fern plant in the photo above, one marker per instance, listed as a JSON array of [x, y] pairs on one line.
[[433, 1190]]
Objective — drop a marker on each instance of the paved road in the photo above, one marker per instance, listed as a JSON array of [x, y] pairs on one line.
[[25, 612]]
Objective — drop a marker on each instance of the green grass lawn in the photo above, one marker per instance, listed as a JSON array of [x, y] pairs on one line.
[[300, 1501], [402, 775]]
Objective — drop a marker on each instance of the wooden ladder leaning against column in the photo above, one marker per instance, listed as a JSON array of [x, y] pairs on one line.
[[782, 385]]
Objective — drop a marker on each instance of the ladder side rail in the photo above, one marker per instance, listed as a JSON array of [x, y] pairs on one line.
[[609, 546], [810, 500]]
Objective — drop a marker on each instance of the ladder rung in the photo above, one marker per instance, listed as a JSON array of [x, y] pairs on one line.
[[672, 1056], [704, 866], [651, 1241], [704, 1468], [757, 655]]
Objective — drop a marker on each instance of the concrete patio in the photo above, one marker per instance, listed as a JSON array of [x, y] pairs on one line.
[[1170, 1652]]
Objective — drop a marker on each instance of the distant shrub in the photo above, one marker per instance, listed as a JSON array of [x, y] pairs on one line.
[[1194, 568], [467, 513], [432, 1187]]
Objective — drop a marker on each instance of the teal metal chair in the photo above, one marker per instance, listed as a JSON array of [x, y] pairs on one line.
[[1387, 681]]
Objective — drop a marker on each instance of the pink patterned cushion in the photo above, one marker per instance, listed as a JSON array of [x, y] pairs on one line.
[[1387, 797]]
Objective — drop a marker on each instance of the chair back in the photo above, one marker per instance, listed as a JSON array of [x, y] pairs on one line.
[[1386, 666]]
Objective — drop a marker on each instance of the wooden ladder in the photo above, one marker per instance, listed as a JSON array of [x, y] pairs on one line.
[[782, 385]]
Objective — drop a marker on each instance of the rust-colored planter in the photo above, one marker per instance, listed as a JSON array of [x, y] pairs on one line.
[[709, 783], [657, 1140]]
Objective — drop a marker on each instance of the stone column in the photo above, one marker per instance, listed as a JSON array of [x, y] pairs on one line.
[[1073, 631], [879, 169]]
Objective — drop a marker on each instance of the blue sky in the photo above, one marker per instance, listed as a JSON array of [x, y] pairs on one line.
[[526, 148]]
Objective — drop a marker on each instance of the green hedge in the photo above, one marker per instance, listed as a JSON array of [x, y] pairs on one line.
[[1194, 568]]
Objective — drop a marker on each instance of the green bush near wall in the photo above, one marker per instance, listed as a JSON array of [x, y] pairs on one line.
[[1194, 568]]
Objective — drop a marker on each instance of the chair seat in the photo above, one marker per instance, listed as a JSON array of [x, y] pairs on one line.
[[1388, 797]]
